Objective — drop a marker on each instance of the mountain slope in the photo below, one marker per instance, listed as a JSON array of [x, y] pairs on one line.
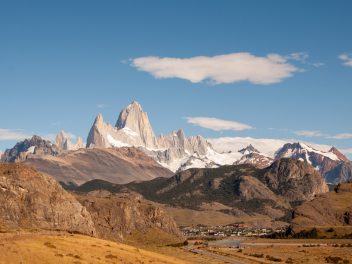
[[241, 188], [117, 165], [326, 163], [30, 200], [328, 210]]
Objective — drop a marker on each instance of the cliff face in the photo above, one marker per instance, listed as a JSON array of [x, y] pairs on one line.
[[117, 216], [30, 200]]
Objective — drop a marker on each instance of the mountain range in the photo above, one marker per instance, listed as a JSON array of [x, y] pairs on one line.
[[237, 190], [173, 151]]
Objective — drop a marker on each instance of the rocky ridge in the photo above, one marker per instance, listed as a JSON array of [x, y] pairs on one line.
[[243, 189], [35, 146]]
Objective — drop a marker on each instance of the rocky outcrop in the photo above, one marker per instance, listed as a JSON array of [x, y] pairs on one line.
[[294, 180], [117, 165], [30, 200], [36, 146], [64, 142], [117, 216]]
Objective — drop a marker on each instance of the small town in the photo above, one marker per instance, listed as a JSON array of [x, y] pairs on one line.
[[231, 230]]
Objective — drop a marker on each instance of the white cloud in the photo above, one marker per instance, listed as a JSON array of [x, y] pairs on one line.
[[13, 134], [343, 136], [309, 133], [346, 58], [217, 124], [228, 68]]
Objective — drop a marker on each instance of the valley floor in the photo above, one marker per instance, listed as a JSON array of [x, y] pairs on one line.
[[282, 251], [52, 247]]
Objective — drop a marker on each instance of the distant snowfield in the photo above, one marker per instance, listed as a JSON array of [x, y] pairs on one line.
[[265, 145]]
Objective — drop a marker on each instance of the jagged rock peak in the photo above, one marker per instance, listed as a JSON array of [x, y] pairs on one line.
[[134, 118], [99, 120], [33, 146], [338, 154], [248, 149], [64, 142]]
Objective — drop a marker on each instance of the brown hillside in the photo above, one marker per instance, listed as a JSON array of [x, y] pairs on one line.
[[121, 165], [333, 209]]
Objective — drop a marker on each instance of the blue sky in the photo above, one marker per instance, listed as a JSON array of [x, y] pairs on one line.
[[63, 62]]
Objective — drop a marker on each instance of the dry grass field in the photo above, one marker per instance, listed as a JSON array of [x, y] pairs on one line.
[[66, 248]]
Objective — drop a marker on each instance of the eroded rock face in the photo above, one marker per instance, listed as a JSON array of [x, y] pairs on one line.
[[117, 216], [30, 200], [295, 180]]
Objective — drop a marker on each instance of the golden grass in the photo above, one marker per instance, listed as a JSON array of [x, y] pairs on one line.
[[65, 248]]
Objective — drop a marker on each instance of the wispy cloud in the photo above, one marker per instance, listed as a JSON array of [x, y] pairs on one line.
[[343, 136], [346, 58], [13, 134], [317, 133], [228, 68], [303, 57], [101, 105], [217, 124], [309, 133]]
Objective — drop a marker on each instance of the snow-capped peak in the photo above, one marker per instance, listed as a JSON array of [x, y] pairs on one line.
[[249, 149], [293, 150]]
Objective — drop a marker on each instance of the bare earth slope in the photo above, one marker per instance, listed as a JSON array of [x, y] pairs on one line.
[[121, 165], [333, 209]]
